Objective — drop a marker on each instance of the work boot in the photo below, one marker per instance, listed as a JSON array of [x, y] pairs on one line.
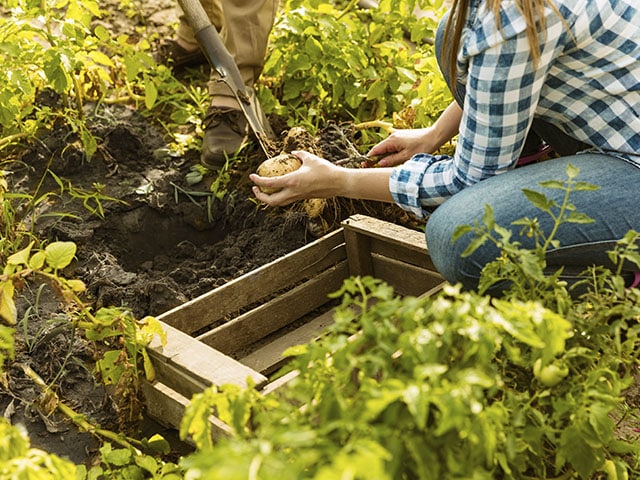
[[226, 131], [171, 54]]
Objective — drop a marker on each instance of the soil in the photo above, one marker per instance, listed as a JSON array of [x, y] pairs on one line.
[[158, 242]]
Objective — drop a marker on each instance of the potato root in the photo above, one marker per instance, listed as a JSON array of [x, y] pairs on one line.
[[276, 166]]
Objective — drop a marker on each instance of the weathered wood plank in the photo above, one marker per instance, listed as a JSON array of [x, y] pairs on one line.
[[405, 278], [167, 407], [279, 312], [274, 385], [358, 248], [390, 240], [269, 357], [256, 285], [198, 361]]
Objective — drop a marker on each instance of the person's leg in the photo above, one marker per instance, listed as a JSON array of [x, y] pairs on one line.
[[613, 207], [245, 32], [184, 34], [183, 50]]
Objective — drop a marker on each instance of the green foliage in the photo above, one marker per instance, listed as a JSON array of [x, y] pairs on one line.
[[58, 65], [92, 201], [121, 365], [327, 62], [457, 385], [130, 464], [18, 461], [438, 388]]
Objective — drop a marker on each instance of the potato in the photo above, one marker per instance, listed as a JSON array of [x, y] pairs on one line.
[[276, 166]]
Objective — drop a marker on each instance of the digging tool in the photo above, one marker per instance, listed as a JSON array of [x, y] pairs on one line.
[[220, 59]]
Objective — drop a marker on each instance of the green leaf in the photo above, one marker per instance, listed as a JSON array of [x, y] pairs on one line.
[[376, 90], [195, 422], [554, 184], [539, 200], [100, 58], [584, 186], [150, 93], [147, 463], [109, 368], [60, 254], [313, 48], [600, 421], [577, 217], [474, 245], [460, 231], [158, 444], [488, 217], [577, 452], [118, 457]]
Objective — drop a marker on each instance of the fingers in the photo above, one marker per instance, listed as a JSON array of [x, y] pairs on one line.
[[280, 190]]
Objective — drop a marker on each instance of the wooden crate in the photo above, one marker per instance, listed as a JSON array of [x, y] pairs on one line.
[[239, 331]]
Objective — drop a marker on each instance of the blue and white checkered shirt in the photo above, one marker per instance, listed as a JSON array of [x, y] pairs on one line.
[[587, 83]]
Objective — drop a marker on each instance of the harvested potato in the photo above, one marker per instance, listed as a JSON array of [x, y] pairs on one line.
[[314, 207], [276, 166]]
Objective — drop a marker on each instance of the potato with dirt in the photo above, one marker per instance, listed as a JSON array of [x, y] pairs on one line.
[[277, 166]]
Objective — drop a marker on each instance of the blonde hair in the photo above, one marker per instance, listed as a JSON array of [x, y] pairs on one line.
[[532, 11]]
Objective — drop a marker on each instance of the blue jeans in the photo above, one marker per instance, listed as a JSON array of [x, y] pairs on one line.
[[615, 207]]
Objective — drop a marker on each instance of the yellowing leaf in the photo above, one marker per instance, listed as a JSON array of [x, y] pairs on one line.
[[21, 257], [149, 371], [100, 58], [37, 260], [76, 285], [150, 327], [8, 310], [60, 254]]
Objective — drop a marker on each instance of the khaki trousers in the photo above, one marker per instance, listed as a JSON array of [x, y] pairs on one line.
[[244, 26]]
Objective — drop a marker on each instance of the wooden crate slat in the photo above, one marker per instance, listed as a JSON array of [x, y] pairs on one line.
[[388, 232], [256, 285], [358, 248], [406, 279], [167, 407], [274, 385], [178, 379], [194, 359], [418, 258], [292, 305], [269, 357]]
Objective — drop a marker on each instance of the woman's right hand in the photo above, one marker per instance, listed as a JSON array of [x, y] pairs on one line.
[[403, 144]]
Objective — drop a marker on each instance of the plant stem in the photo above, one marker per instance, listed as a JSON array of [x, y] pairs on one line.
[[78, 419], [9, 139]]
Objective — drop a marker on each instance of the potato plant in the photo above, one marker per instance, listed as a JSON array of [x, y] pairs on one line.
[[334, 60], [59, 64]]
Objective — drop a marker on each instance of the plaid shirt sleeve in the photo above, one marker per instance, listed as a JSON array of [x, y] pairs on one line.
[[598, 58]]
